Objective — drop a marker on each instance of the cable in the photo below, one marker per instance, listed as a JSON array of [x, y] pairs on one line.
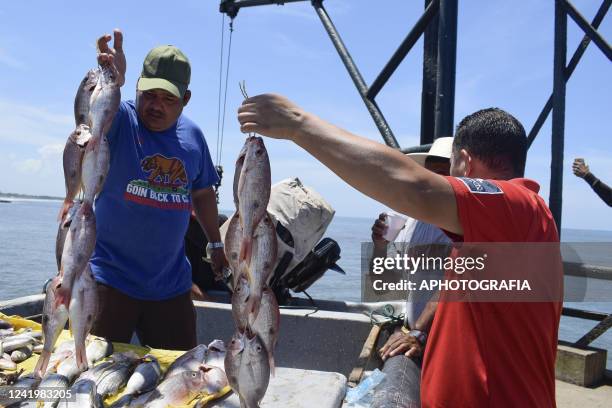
[[220, 84], [229, 54]]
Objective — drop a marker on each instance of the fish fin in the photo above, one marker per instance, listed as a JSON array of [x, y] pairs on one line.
[[66, 205], [42, 363], [253, 305], [246, 248], [272, 364]]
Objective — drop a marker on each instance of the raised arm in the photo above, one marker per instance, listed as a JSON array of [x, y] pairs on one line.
[[378, 171], [600, 188]]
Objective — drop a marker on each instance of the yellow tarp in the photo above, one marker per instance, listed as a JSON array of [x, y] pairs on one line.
[[165, 357]]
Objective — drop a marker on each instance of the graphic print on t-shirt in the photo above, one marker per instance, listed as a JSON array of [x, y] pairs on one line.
[[165, 185]]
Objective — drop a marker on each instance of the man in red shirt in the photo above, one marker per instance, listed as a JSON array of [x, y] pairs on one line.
[[491, 354]]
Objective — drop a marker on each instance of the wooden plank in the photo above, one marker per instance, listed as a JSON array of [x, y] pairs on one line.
[[364, 357]]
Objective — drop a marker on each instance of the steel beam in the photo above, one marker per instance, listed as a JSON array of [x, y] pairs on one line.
[[345, 56], [447, 56], [398, 56], [586, 40], [430, 73], [555, 198], [588, 29]]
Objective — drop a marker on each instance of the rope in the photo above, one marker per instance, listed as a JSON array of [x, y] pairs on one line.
[[220, 84], [388, 314], [229, 54]]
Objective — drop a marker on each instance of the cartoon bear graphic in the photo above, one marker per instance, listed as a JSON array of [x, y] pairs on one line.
[[170, 171]]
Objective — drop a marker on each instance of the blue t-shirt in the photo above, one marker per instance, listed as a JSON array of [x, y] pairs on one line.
[[143, 210]]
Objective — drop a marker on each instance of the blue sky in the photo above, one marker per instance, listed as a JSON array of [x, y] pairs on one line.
[[504, 59]]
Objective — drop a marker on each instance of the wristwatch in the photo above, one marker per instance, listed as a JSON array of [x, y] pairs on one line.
[[421, 336], [214, 245]]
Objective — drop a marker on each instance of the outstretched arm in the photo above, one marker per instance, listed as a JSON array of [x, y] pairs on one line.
[[604, 191], [376, 170]]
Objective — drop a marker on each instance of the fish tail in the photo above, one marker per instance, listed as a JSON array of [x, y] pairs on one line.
[[81, 357], [66, 205], [42, 363], [246, 248]]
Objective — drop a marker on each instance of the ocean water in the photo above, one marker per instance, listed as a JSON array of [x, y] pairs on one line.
[[27, 258]]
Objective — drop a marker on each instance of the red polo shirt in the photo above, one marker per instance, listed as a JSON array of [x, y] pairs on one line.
[[495, 354]]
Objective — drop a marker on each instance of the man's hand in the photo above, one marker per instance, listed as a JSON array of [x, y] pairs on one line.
[[113, 55], [198, 294], [218, 261], [270, 115], [580, 168], [378, 230], [399, 343]]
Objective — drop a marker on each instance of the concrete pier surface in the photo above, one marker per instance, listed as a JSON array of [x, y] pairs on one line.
[[571, 396]]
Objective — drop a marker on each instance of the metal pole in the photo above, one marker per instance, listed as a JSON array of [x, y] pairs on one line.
[[379, 119], [413, 36], [588, 29], [558, 116], [447, 55], [430, 72], [601, 13]]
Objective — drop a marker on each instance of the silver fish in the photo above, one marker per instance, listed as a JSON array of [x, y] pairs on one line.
[[233, 239], [7, 364], [22, 354], [4, 325], [237, 172], [79, 245], [16, 342], [69, 368], [57, 358], [104, 104], [83, 311], [56, 383], [215, 355], [114, 377], [54, 319], [95, 167], [254, 374], [267, 324], [83, 97], [83, 394], [232, 360], [253, 192], [239, 303], [145, 376], [98, 349], [72, 161], [190, 361], [178, 389], [262, 262]]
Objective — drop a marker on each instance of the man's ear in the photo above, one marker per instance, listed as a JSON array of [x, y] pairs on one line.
[[186, 97], [462, 164]]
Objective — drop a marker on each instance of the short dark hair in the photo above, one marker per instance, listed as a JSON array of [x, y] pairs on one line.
[[496, 138]]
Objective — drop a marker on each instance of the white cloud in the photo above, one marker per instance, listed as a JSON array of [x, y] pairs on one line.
[[10, 61], [27, 124]]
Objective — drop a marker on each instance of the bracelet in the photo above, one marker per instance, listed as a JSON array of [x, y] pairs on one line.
[[214, 245]]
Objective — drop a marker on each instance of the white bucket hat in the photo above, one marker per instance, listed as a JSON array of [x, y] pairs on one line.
[[441, 147]]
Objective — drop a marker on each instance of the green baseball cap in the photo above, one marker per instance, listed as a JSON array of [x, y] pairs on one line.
[[167, 68]]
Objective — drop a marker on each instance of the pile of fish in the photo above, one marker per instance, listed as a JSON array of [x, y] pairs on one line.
[[16, 346], [139, 379], [71, 295], [251, 250]]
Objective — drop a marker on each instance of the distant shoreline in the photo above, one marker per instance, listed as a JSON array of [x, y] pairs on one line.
[[29, 197]]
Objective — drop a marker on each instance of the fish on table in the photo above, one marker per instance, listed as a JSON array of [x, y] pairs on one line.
[[189, 361]]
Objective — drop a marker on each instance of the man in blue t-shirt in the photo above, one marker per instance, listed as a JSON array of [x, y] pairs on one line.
[[160, 168]]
